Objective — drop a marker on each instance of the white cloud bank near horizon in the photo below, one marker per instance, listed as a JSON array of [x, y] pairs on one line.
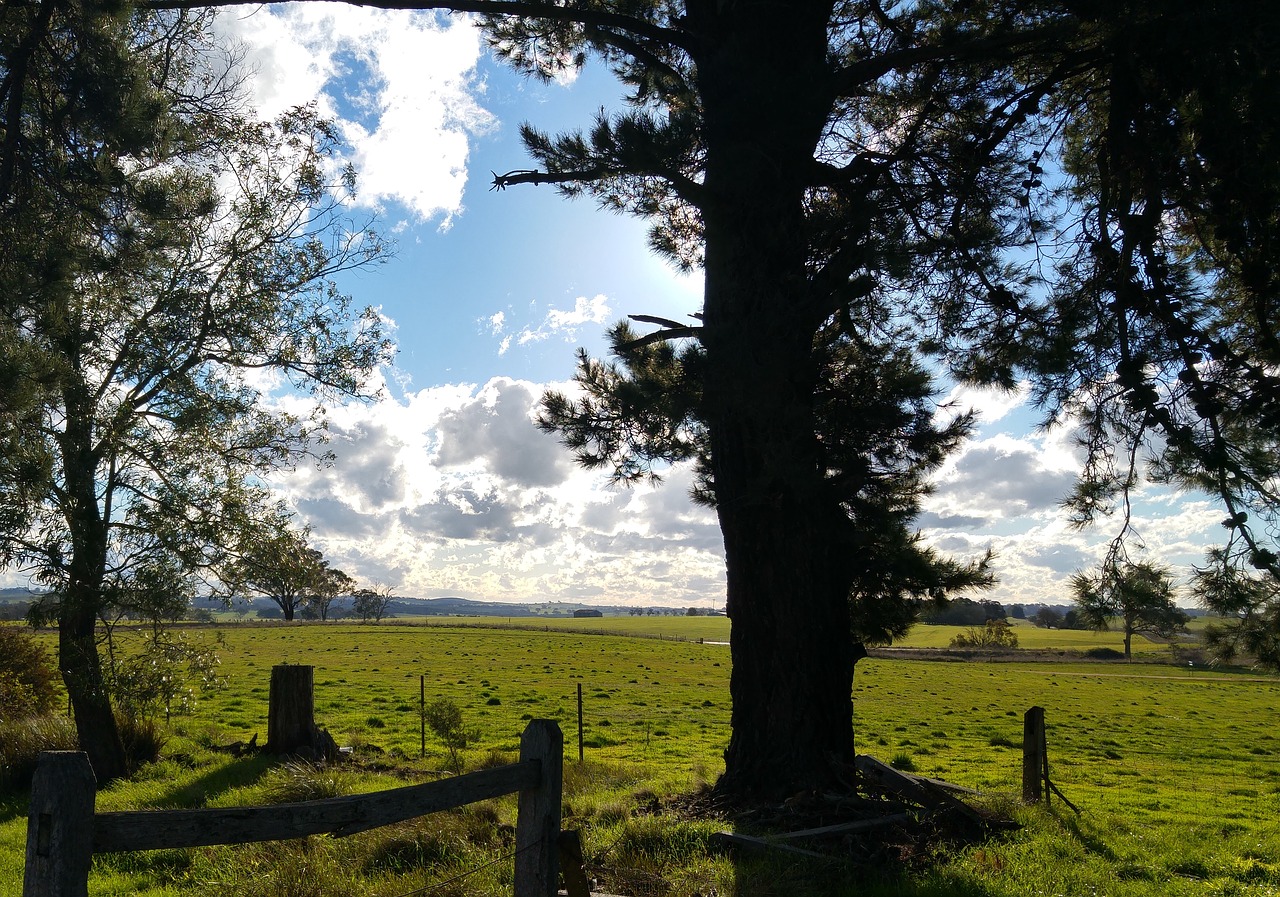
[[452, 490]]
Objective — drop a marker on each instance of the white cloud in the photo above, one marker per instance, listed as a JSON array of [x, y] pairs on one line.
[[453, 490], [413, 109], [990, 404], [564, 324]]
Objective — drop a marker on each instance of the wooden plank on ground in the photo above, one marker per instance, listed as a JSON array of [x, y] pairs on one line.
[[733, 839], [843, 828], [913, 788]]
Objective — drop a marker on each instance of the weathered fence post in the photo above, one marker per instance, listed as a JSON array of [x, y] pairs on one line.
[[1035, 759], [538, 813], [60, 826]]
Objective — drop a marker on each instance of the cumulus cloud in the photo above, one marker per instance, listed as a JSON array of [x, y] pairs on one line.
[[559, 323], [453, 490], [408, 126], [989, 404], [1000, 477], [498, 433]]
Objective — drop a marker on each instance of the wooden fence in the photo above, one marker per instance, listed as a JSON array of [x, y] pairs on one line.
[[63, 831]]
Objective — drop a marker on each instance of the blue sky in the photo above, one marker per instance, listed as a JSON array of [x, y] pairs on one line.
[[443, 486]]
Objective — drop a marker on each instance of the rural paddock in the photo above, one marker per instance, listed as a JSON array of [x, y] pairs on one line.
[[1177, 772]]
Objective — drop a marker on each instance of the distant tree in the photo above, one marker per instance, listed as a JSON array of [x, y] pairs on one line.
[[1138, 595], [957, 612], [1017, 611], [995, 635], [1048, 618], [329, 586], [281, 567], [1073, 620], [693, 612], [372, 603]]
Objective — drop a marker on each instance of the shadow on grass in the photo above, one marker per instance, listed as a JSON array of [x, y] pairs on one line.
[[199, 791], [1088, 840], [14, 806], [815, 878]]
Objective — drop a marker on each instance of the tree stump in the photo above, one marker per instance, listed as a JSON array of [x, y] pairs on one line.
[[291, 725]]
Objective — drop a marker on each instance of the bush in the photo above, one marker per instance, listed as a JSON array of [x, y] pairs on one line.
[[28, 677], [142, 739], [997, 635], [22, 740]]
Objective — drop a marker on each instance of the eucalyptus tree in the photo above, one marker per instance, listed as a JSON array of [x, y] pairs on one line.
[[280, 565], [1137, 595], [188, 262]]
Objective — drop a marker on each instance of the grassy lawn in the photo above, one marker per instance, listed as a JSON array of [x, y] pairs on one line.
[[1177, 772]]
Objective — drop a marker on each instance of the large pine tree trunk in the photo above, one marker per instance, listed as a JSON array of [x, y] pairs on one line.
[[788, 584]]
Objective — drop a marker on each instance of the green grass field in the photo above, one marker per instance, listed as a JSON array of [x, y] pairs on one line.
[[1030, 637], [1177, 772]]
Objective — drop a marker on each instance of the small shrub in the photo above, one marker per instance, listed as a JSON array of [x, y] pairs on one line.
[[444, 718], [903, 761], [997, 635], [28, 677]]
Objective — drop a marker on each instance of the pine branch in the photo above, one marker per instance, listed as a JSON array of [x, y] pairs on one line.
[[530, 176], [528, 8]]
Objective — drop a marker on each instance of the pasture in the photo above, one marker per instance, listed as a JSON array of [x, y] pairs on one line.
[[1177, 771]]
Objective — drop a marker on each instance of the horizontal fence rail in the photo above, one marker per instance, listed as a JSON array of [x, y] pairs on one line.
[[63, 831], [156, 829]]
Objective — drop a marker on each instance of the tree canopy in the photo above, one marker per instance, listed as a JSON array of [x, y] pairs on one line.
[[161, 244], [1137, 595]]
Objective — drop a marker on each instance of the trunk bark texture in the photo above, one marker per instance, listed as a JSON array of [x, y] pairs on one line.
[[81, 601], [765, 109]]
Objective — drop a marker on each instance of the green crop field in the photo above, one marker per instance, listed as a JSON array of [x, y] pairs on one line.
[[1176, 771]]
